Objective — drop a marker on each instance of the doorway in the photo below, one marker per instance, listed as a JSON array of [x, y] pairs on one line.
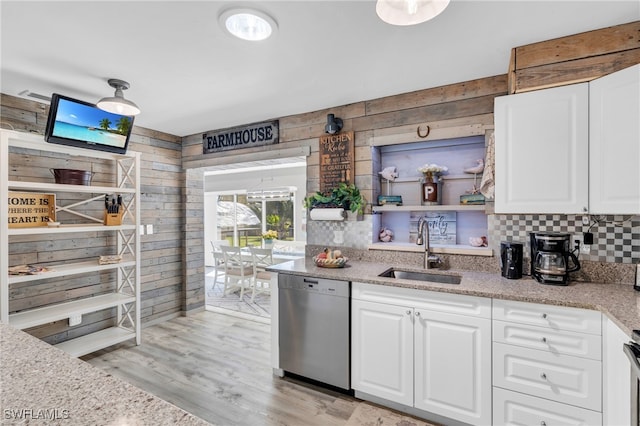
[[242, 203]]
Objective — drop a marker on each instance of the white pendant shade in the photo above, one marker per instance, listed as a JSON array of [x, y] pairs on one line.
[[409, 12], [117, 104]]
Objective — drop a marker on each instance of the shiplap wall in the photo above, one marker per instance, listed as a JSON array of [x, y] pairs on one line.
[[162, 268]]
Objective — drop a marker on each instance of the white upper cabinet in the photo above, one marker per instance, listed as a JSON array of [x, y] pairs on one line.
[[541, 149], [614, 145], [571, 149]]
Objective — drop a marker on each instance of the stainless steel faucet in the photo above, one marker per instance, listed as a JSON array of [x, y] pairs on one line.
[[430, 260]]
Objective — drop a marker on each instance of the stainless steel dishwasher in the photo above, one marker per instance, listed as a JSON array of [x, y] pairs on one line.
[[314, 327]]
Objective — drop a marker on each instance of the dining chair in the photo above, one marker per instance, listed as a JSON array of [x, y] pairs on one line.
[[218, 259], [238, 270], [262, 258]]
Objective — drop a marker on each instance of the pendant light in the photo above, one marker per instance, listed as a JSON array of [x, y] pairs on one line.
[[409, 12], [117, 104]]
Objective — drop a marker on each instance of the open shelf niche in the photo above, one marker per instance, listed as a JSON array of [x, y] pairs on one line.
[[470, 221]]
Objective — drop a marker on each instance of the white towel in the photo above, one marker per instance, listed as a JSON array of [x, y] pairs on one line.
[[488, 184]]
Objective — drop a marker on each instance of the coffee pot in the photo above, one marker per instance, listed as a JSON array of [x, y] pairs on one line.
[[551, 257]]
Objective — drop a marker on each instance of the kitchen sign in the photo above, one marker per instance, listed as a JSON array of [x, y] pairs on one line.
[[442, 226], [30, 209], [248, 136], [337, 160]]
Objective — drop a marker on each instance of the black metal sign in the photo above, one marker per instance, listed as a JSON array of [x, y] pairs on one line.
[[247, 136]]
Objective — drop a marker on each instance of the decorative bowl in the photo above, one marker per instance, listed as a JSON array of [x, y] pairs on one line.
[[331, 263]]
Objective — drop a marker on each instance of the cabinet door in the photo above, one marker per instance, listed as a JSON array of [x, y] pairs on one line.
[[614, 145], [541, 148], [452, 363], [382, 350], [616, 377], [513, 408]]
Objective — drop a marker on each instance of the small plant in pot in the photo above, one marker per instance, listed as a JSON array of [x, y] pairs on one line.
[[353, 200], [345, 196]]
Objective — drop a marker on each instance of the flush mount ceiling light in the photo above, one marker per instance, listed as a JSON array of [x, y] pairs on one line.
[[334, 124], [118, 104], [409, 12], [248, 24]]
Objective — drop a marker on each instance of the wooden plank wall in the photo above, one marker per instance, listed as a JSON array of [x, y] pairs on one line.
[[573, 59], [454, 110], [162, 181]]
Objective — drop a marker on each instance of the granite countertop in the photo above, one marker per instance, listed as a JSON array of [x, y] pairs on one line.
[[620, 302], [40, 384]]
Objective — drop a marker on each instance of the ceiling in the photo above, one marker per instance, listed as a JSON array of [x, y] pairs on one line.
[[189, 77]]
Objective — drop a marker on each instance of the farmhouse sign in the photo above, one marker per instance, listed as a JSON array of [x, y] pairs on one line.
[[337, 161], [30, 209], [247, 136]]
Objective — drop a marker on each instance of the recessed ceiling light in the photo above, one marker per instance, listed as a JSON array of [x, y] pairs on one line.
[[248, 24]]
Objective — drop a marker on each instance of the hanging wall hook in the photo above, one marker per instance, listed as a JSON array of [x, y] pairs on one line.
[[425, 135]]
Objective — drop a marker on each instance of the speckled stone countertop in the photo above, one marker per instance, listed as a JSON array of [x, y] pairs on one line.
[[42, 385], [620, 302]]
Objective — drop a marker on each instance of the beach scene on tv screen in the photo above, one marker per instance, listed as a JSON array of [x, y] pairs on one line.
[[86, 123]]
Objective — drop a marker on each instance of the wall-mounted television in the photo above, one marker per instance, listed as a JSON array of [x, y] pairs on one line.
[[81, 124]]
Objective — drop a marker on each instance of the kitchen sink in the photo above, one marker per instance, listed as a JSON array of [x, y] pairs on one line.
[[421, 276]]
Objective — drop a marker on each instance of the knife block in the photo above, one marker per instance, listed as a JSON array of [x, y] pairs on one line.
[[113, 219]]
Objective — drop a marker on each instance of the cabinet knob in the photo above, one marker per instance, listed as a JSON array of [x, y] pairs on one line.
[[408, 312], [544, 315], [417, 314], [544, 340], [543, 423], [543, 376]]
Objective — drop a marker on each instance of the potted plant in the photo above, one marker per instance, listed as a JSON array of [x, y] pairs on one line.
[[345, 197], [353, 200], [268, 237]]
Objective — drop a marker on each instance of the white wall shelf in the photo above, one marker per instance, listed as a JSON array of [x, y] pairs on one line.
[[434, 248], [65, 229], [69, 269], [124, 282], [429, 208], [95, 341], [51, 187], [38, 316]]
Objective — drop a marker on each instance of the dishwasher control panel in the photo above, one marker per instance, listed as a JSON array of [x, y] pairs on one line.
[[314, 285]]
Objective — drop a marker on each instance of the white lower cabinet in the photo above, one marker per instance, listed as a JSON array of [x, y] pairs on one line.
[[425, 350], [547, 365], [513, 408]]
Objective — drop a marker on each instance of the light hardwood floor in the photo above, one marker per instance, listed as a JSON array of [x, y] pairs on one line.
[[218, 368]]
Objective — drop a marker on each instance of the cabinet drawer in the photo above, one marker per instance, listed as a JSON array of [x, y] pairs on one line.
[[435, 301], [550, 316], [512, 408], [561, 378], [545, 339]]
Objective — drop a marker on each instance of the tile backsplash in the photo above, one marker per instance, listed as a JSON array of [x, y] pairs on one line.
[[616, 239]]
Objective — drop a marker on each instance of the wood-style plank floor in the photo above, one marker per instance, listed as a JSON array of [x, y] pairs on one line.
[[218, 368]]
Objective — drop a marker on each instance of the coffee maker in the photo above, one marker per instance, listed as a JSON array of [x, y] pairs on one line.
[[551, 257]]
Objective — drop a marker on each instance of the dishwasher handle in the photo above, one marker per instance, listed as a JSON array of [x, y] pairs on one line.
[[633, 354], [307, 280]]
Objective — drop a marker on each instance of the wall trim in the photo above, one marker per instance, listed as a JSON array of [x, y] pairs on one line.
[[248, 157]]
